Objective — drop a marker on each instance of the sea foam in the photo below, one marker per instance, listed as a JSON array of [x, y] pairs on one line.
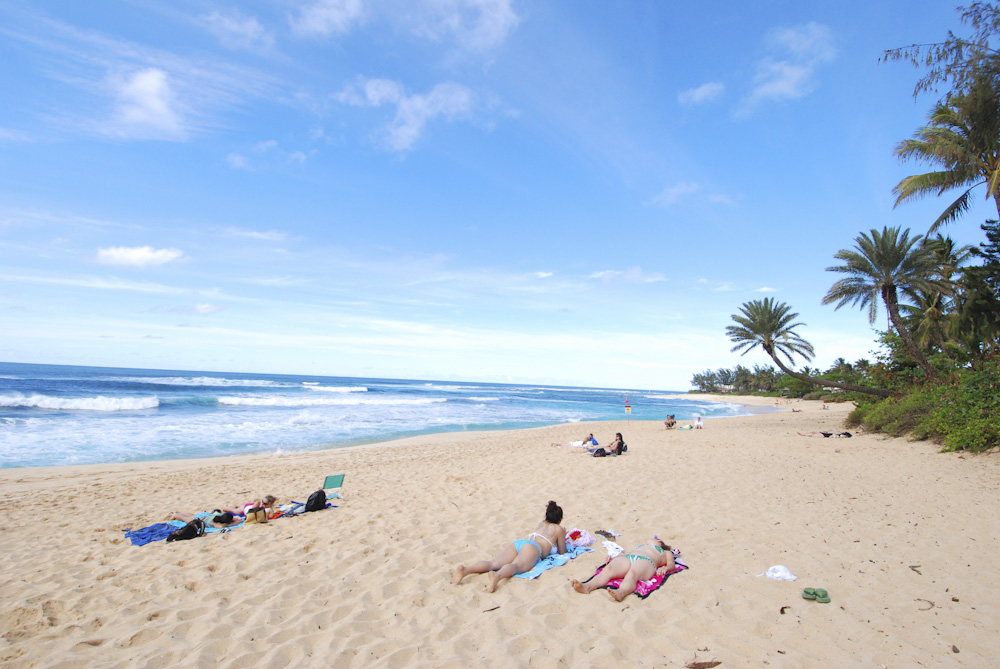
[[99, 403]]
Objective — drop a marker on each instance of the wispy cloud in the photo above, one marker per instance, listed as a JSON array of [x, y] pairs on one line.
[[328, 17], [447, 100], [145, 107], [789, 72], [672, 194], [236, 31], [200, 309], [105, 283], [11, 135], [137, 256], [237, 161], [630, 275], [477, 25], [267, 235], [704, 93], [542, 275], [765, 289]]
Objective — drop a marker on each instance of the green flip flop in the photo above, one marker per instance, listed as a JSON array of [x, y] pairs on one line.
[[809, 593], [822, 596]]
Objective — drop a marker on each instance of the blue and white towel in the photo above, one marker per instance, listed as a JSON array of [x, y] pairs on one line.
[[554, 561]]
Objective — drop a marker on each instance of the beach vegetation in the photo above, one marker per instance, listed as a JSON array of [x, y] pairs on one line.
[[769, 324]]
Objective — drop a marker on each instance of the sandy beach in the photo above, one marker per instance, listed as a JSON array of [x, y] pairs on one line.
[[903, 538]]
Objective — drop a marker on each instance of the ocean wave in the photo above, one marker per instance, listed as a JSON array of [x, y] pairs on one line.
[[321, 401], [204, 381], [99, 403], [483, 399], [338, 389]]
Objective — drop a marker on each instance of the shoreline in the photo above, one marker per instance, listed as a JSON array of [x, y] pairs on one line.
[[368, 583]]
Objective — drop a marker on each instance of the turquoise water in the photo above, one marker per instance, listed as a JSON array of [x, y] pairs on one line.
[[59, 415]]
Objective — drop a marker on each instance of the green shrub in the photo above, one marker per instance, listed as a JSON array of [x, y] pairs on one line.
[[815, 395]]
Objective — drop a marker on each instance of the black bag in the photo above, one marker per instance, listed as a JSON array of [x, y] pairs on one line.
[[622, 448], [600, 453], [316, 501], [195, 528]]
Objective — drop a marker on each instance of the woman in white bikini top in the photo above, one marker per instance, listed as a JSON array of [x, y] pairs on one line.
[[548, 538]]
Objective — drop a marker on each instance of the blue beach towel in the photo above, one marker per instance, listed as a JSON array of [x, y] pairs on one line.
[[148, 535], [553, 561]]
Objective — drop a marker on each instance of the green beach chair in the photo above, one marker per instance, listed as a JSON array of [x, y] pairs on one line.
[[333, 483]]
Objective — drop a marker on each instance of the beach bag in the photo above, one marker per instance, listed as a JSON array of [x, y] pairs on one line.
[[316, 501], [195, 528], [600, 453], [255, 515], [622, 448]]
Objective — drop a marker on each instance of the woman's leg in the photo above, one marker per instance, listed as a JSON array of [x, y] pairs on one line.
[[617, 568], [627, 587], [506, 556], [523, 561], [180, 515]]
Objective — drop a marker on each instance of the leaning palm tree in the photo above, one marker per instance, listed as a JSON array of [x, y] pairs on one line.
[[963, 138], [881, 266], [767, 323]]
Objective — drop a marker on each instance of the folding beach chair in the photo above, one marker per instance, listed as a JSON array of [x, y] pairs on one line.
[[332, 484]]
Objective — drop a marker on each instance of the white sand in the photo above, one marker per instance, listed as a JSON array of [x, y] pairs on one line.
[[367, 584]]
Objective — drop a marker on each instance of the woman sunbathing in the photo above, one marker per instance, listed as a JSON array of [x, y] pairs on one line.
[[649, 559], [267, 502], [549, 538], [577, 444], [217, 518]]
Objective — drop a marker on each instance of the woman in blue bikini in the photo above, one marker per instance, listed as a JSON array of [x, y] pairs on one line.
[[549, 538], [651, 558]]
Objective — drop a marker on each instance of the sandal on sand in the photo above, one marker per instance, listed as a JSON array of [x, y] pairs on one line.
[[822, 596], [809, 593]]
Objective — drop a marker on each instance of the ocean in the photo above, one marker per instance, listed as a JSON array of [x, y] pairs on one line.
[[65, 415]]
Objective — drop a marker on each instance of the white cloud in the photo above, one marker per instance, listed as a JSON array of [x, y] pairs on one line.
[[238, 32], [297, 157], [266, 145], [448, 100], [268, 236], [145, 107], [630, 275], [477, 25], [789, 73], [137, 256], [11, 135], [200, 309], [542, 275], [671, 194], [236, 161], [704, 93], [327, 17], [765, 289]]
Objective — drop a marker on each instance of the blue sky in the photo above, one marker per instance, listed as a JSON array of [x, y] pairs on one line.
[[573, 192]]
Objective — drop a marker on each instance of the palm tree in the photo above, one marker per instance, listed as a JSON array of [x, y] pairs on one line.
[[767, 323], [963, 137], [883, 265]]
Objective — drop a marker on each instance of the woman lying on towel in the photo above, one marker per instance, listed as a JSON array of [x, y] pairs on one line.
[[549, 538], [217, 518], [651, 558], [267, 502]]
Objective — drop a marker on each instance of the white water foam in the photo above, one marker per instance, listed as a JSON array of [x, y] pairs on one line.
[[338, 389], [321, 401], [99, 403], [211, 381]]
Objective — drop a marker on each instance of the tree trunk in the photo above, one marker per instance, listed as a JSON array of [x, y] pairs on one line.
[[892, 306], [879, 392]]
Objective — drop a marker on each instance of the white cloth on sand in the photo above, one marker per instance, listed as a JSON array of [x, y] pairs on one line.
[[778, 573]]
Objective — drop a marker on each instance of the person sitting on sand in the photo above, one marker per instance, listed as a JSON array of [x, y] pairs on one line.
[[583, 443], [267, 502], [549, 538], [217, 518], [649, 559], [697, 423], [838, 435], [614, 448], [670, 422]]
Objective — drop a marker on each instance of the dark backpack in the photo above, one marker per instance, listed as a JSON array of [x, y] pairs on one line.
[[195, 528], [622, 448], [316, 501], [600, 452]]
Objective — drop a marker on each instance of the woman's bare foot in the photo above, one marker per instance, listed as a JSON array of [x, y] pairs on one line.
[[580, 587], [458, 574], [494, 580], [618, 594]]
